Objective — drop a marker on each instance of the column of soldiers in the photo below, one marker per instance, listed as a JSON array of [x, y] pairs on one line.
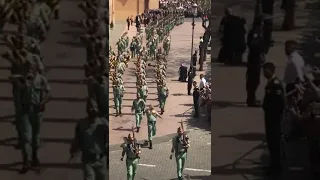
[[94, 149], [155, 34], [30, 87]]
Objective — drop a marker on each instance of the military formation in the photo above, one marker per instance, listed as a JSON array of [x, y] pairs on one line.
[[92, 133], [151, 53], [30, 87]]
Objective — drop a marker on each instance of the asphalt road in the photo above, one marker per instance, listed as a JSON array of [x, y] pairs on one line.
[[156, 165], [64, 57]]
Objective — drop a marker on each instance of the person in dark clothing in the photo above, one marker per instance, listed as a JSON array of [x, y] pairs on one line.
[[183, 73], [190, 80], [233, 40], [267, 8], [196, 98], [137, 21], [255, 59], [273, 107], [128, 23], [194, 58]]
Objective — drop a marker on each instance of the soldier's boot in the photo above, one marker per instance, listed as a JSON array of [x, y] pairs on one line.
[[161, 111], [26, 166], [56, 14], [150, 144], [35, 159], [120, 113], [138, 129]]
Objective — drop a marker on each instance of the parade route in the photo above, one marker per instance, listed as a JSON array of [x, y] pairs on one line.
[[178, 105], [156, 165]]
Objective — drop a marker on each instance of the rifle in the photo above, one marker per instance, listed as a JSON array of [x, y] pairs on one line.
[[135, 144], [184, 135]]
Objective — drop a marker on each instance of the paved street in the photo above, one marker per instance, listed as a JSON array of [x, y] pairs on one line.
[[156, 165], [178, 105], [238, 148], [64, 57]]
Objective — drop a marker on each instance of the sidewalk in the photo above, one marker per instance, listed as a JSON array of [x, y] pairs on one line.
[[238, 148], [178, 106], [114, 34]]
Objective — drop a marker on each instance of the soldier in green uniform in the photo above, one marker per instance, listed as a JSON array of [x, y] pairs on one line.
[[143, 89], [36, 93], [138, 106], [118, 92], [91, 138], [163, 95], [152, 120], [180, 145], [132, 150]]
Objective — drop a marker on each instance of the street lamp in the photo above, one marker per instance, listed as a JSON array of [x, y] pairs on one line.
[[194, 13]]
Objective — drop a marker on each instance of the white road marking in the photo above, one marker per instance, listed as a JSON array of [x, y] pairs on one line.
[[147, 165], [199, 170]]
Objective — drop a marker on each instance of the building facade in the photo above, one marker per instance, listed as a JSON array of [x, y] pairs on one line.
[[120, 9]]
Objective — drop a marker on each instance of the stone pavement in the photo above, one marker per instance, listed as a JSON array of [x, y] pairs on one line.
[[116, 32], [156, 165], [178, 106], [64, 57], [238, 141]]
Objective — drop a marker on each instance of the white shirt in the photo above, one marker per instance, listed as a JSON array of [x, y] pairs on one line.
[[294, 68], [203, 82]]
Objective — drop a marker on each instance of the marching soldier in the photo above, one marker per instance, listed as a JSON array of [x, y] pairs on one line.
[[143, 90], [138, 106], [180, 145], [118, 92], [36, 93], [152, 120], [132, 150], [163, 95], [91, 138]]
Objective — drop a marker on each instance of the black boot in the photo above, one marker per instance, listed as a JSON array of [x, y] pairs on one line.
[[26, 166], [35, 159], [138, 129], [161, 111], [56, 14], [150, 144]]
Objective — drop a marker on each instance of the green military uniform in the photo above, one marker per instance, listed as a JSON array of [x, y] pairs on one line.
[[179, 144], [31, 115], [163, 94], [91, 138], [138, 106], [132, 160], [152, 120], [118, 91]]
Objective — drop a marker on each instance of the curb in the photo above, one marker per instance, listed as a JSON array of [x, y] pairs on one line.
[[157, 140]]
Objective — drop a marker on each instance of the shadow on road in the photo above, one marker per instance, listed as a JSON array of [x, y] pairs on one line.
[[16, 166], [246, 136], [10, 119]]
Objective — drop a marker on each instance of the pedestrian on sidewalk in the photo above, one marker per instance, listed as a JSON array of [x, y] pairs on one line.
[[293, 73], [190, 80], [273, 107], [256, 55], [196, 97], [128, 23], [131, 20]]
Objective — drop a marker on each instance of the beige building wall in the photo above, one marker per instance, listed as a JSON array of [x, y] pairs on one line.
[[121, 9]]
